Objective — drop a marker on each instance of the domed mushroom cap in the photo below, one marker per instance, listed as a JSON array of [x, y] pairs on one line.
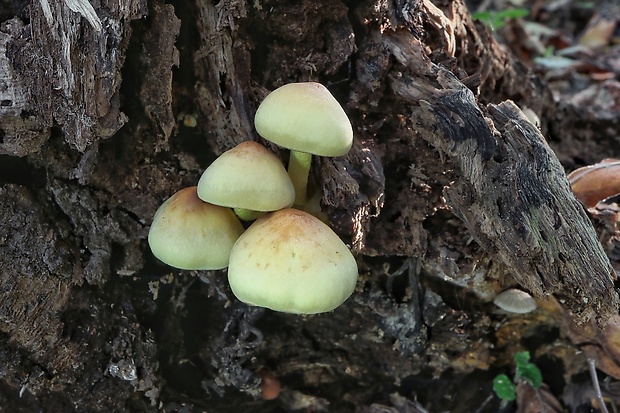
[[292, 262], [305, 117], [248, 176], [515, 301], [190, 234]]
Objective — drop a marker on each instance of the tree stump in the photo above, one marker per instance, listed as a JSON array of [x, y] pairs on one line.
[[448, 196]]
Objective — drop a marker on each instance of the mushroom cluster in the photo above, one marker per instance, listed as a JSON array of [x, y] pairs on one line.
[[287, 259]]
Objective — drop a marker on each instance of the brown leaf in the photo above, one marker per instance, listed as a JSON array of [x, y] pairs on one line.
[[531, 400], [594, 183], [600, 28], [599, 343]]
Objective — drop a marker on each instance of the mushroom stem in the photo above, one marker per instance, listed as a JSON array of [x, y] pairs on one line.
[[298, 171], [247, 214], [313, 205]]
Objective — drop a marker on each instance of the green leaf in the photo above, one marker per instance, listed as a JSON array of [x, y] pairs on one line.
[[527, 371], [512, 13], [530, 373], [522, 357], [497, 19], [504, 388], [482, 15]]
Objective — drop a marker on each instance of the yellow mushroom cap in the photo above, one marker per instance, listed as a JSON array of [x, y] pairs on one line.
[[248, 176], [305, 117], [190, 234], [290, 261]]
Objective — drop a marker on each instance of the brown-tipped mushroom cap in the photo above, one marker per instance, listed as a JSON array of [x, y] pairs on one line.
[[292, 262], [190, 234], [247, 176], [305, 117]]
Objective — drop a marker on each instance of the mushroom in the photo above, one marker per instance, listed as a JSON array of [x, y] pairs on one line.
[[515, 301], [306, 118], [248, 178], [292, 262], [191, 234], [270, 384]]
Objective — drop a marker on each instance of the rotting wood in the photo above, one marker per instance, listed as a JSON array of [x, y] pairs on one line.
[[388, 188], [21, 131], [156, 91], [512, 195], [70, 67], [223, 69]]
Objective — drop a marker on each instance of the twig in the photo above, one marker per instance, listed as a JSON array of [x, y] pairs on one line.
[[606, 385], [484, 404], [597, 388], [418, 407]]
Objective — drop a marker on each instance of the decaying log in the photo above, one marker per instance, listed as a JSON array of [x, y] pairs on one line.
[[223, 91], [90, 318], [50, 328], [156, 91], [512, 193], [22, 132], [67, 66]]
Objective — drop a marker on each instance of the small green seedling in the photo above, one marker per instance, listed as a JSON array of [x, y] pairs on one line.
[[497, 19], [506, 389], [527, 371]]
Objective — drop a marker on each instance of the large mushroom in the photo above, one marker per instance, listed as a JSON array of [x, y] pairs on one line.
[[308, 120], [191, 234], [248, 178], [292, 262]]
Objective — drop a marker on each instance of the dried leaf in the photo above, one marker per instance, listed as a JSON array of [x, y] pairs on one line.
[[594, 183], [600, 29], [530, 400], [599, 343], [555, 62]]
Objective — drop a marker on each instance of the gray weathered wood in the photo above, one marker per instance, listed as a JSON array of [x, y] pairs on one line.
[[513, 194], [68, 62]]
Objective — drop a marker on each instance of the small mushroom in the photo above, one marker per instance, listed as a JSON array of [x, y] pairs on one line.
[[292, 262], [270, 384], [515, 301], [248, 178], [191, 234], [308, 120]]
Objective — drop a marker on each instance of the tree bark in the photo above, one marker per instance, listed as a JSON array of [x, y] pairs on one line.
[[97, 108]]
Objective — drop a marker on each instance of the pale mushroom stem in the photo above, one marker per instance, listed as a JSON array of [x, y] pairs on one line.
[[298, 171], [248, 214], [313, 205]]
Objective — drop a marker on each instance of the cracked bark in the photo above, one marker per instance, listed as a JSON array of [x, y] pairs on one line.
[[91, 144], [512, 192]]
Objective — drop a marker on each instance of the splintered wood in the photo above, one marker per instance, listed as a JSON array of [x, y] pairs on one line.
[[512, 195]]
